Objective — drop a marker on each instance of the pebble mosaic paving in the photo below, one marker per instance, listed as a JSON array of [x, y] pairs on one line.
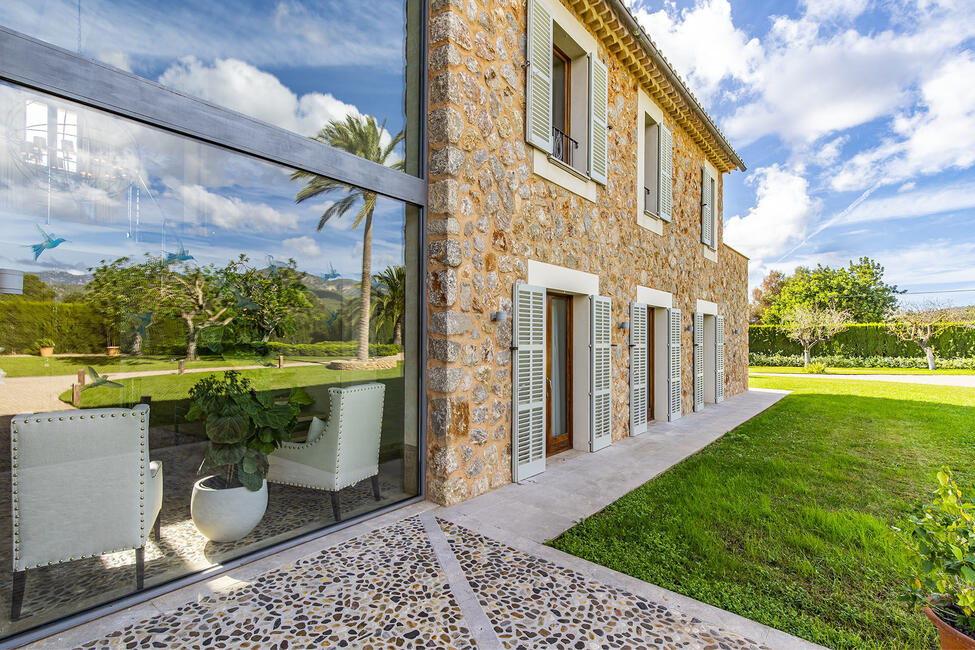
[[387, 589]]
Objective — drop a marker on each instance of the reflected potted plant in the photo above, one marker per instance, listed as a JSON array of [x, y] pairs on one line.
[[45, 347], [942, 536], [243, 426], [113, 350]]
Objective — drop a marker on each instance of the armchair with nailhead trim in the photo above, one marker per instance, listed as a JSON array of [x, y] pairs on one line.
[[339, 452], [82, 485]]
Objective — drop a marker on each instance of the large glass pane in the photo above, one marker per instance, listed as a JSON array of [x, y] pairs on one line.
[[209, 305], [297, 64]]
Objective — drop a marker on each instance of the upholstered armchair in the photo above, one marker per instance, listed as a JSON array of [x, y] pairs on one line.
[[340, 452], [82, 485]]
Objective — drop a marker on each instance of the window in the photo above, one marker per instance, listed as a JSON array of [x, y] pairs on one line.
[[567, 93], [709, 209], [651, 166]]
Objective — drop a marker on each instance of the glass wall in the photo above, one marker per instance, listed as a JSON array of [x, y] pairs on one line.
[[177, 321], [296, 64]]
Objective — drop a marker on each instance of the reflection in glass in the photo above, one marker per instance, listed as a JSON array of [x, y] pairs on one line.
[[297, 64], [217, 297]]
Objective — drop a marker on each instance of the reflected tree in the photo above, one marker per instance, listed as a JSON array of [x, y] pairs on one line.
[[362, 136], [123, 295], [269, 299], [201, 296], [390, 303]]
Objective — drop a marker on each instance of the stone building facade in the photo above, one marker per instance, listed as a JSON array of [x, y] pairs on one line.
[[491, 215]]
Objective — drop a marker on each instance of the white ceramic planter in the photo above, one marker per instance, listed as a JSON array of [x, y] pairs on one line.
[[226, 515]]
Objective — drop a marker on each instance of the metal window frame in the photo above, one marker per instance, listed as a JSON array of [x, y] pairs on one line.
[[46, 68]]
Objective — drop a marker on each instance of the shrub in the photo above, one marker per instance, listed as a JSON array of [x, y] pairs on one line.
[[44, 343], [330, 349], [834, 361], [865, 340], [815, 368]]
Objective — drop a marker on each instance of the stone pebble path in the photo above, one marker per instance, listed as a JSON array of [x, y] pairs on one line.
[[424, 582]]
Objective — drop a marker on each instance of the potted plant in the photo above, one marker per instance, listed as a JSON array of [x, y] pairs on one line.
[[243, 426], [942, 535], [112, 350], [45, 347]]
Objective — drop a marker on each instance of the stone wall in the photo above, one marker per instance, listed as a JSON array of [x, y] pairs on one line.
[[489, 214]]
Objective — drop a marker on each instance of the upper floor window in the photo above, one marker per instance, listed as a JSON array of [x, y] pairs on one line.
[[709, 209], [567, 94], [50, 134], [657, 159], [651, 166]]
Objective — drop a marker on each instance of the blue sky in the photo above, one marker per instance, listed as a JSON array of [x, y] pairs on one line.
[[293, 63], [856, 119]]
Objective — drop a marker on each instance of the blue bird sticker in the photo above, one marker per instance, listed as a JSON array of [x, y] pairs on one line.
[[332, 273], [50, 241], [100, 380], [182, 255], [274, 265]]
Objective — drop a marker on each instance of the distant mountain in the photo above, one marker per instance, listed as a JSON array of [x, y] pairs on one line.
[[64, 283], [337, 287]]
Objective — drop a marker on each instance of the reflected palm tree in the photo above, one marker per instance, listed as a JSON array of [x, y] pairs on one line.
[[390, 303], [362, 136]]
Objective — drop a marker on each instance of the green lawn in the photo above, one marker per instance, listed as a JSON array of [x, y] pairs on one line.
[[787, 519], [170, 395], [36, 366], [864, 371]]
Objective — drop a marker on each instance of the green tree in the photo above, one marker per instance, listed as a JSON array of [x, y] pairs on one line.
[[122, 294], [858, 289], [390, 303], [37, 290], [920, 324], [270, 299], [808, 325], [362, 136], [765, 294], [201, 296]]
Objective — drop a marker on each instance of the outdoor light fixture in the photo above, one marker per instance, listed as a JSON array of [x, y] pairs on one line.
[[624, 325], [689, 328], [12, 282], [499, 316]]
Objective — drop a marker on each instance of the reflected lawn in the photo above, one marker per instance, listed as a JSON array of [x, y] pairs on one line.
[[35, 366]]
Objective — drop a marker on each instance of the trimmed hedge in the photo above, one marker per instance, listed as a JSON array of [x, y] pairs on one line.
[[330, 349], [795, 361], [865, 340], [74, 326]]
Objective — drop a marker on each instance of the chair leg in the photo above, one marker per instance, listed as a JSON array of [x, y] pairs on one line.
[[336, 506], [375, 487], [157, 527], [17, 594], [140, 567]]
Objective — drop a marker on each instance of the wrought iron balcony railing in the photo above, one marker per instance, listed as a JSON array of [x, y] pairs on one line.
[[563, 147]]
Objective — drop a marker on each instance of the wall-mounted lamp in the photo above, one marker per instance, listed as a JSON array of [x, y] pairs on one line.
[[499, 316], [624, 325], [689, 328], [11, 282], [734, 331]]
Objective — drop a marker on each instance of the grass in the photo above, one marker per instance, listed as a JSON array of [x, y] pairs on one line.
[[864, 371], [788, 519], [36, 366], [170, 394]]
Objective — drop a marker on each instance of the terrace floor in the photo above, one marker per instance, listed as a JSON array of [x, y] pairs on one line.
[[474, 575]]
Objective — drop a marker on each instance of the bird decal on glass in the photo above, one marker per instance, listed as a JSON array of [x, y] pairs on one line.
[[332, 273], [333, 316], [50, 241], [99, 380], [142, 321], [243, 302], [182, 255], [274, 264]]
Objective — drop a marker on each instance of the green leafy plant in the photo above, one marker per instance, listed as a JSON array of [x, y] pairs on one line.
[[243, 426], [815, 368], [44, 343], [943, 538]]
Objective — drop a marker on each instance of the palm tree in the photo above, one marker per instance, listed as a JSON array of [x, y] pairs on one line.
[[362, 136], [390, 302]]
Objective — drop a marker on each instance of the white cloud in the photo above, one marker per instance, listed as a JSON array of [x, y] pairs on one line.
[[304, 246], [834, 9], [233, 213], [242, 87], [780, 217], [910, 204], [729, 52]]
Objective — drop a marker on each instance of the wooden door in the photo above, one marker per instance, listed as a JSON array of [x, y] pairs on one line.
[[558, 374]]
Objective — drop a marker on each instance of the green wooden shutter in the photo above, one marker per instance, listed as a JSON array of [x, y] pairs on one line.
[[665, 175], [674, 387], [598, 112], [638, 368], [698, 361], [600, 372], [538, 103], [528, 414]]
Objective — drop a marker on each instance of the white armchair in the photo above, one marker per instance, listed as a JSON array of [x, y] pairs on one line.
[[340, 452], [82, 485]]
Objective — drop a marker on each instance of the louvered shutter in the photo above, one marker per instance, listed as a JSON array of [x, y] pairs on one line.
[[600, 373], [598, 107], [538, 103], [698, 361], [707, 214], [719, 359], [638, 368], [528, 415], [673, 365], [666, 173]]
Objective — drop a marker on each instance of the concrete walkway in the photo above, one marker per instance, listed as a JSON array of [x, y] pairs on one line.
[[478, 572], [965, 381]]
